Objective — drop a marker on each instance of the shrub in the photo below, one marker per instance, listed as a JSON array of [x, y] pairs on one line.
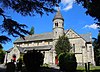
[[67, 62], [33, 60]]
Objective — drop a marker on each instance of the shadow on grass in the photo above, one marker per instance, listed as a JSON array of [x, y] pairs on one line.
[[2, 70], [48, 69], [44, 69]]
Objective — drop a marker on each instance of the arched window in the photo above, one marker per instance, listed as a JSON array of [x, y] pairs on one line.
[[56, 24]]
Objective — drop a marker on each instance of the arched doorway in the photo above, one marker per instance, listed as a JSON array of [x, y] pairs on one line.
[[14, 57], [56, 60]]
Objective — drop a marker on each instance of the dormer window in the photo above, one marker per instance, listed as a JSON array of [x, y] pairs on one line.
[[56, 24]]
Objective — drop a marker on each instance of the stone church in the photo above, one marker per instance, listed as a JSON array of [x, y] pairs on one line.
[[45, 42]]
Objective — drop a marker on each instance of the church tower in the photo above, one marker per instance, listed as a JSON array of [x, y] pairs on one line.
[[58, 30], [58, 25]]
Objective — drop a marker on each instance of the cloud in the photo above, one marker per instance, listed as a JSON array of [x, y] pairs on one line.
[[67, 4], [93, 26]]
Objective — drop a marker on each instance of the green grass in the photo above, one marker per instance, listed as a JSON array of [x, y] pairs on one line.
[[80, 68], [92, 69]]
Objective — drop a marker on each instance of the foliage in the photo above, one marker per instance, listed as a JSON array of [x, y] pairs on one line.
[[96, 45], [2, 54], [32, 31], [62, 45], [30, 7], [33, 60], [21, 57], [1, 46], [11, 27], [25, 8], [67, 62], [92, 8]]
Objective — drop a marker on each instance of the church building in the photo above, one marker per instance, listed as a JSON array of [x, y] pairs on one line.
[[45, 42]]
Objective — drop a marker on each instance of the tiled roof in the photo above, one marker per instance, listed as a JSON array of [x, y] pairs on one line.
[[49, 35], [23, 49], [9, 50], [36, 37], [87, 37], [58, 15]]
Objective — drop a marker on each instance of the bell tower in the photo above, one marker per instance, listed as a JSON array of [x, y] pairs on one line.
[[58, 30], [58, 25]]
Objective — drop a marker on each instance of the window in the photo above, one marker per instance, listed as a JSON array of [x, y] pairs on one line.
[[56, 24], [83, 46], [74, 48], [44, 53], [90, 46], [55, 33]]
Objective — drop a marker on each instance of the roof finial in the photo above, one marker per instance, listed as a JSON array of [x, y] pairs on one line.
[[58, 15], [58, 8]]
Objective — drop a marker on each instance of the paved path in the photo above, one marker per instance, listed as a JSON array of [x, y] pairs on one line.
[[2, 68], [54, 66]]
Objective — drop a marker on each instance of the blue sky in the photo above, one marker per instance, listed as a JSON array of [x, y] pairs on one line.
[[73, 14]]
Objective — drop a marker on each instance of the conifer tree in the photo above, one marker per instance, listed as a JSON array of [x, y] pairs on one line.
[[62, 45], [32, 30], [96, 45]]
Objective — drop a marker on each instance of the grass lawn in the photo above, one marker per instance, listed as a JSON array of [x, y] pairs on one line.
[[92, 69]]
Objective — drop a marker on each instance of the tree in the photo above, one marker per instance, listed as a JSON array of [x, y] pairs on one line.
[[67, 62], [92, 8], [32, 31], [33, 60], [2, 54], [25, 8], [96, 45], [62, 45]]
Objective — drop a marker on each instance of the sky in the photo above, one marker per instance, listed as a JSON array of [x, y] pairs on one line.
[[74, 18]]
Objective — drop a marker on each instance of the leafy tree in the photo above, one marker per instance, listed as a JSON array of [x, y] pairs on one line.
[[2, 54], [62, 45], [32, 31], [92, 8], [96, 45], [25, 8]]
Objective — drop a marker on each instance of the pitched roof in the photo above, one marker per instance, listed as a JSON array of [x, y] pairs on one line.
[[49, 36], [9, 50], [36, 37], [23, 49], [58, 16], [87, 37]]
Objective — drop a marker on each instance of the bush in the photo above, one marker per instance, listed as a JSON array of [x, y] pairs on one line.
[[67, 62], [33, 60]]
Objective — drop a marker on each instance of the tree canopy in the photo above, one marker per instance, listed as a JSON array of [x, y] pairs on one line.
[[33, 7], [92, 8], [25, 8]]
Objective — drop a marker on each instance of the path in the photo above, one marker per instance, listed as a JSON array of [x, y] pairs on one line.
[[2, 68]]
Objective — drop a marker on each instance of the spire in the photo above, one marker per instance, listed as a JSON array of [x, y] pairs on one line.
[[58, 15]]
